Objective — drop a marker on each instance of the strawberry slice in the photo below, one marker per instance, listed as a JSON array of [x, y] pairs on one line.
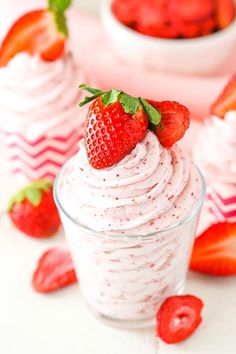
[[226, 101], [214, 251], [40, 32], [178, 317], [225, 12], [175, 120], [54, 271]]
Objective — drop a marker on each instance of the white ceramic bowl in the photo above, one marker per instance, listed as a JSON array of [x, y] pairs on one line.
[[202, 55]]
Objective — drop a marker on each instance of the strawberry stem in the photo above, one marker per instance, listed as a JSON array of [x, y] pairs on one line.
[[58, 9], [32, 192], [129, 103]]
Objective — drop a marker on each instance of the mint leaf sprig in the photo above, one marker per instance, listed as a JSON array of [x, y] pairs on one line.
[[129, 103], [32, 192], [58, 9]]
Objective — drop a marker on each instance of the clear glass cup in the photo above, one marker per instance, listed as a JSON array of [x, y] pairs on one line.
[[124, 279]]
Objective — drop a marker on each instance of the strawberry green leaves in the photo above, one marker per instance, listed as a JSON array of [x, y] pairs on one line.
[[58, 8], [153, 114], [129, 103], [32, 192], [110, 97]]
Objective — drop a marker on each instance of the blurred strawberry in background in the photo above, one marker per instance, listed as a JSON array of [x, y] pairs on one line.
[[175, 18]]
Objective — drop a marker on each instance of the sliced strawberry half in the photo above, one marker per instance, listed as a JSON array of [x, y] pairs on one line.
[[175, 120], [178, 317], [225, 12], [54, 271], [40, 32], [214, 251], [226, 101]]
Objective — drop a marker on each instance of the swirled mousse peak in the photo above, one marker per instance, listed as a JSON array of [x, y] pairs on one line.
[[130, 183], [42, 32]]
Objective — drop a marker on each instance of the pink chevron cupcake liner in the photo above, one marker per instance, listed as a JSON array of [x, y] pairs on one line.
[[221, 205], [42, 157]]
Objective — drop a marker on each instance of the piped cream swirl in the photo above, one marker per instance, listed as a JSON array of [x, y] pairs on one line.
[[38, 97], [150, 189], [216, 149]]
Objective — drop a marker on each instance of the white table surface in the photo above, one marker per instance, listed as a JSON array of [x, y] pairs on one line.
[[60, 323]]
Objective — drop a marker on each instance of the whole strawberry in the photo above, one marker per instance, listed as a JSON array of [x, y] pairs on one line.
[[33, 211], [116, 122], [175, 120]]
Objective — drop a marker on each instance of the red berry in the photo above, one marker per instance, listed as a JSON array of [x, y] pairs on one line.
[[33, 210], [208, 26], [175, 120], [191, 10], [178, 317], [125, 11], [54, 271], [214, 251], [152, 16], [225, 12], [226, 101], [34, 32], [111, 133]]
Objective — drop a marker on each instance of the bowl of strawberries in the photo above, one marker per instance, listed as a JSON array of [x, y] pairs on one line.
[[185, 36]]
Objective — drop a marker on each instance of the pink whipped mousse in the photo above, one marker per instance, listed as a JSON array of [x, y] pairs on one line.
[[38, 97], [215, 152], [149, 190], [123, 274]]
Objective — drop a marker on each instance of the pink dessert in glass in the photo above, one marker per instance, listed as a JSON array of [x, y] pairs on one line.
[[130, 226]]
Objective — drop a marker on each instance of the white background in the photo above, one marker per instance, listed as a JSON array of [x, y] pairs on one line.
[[61, 324]]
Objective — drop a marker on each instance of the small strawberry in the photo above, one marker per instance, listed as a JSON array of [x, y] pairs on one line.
[[178, 317], [152, 17], [226, 101], [214, 250], [40, 32], [125, 11], [208, 26], [54, 271], [225, 12], [33, 211], [175, 120], [192, 10]]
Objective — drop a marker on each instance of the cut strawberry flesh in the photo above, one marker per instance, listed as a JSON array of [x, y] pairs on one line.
[[34, 33], [215, 250], [54, 271], [178, 318], [226, 101]]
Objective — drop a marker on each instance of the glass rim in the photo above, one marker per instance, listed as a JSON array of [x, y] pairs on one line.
[[184, 221]]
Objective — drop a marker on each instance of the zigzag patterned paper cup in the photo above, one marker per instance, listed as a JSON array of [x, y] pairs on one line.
[[221, 202], [42, 157]]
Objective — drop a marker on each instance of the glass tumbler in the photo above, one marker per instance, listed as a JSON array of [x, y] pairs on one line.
[[124, 279]]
